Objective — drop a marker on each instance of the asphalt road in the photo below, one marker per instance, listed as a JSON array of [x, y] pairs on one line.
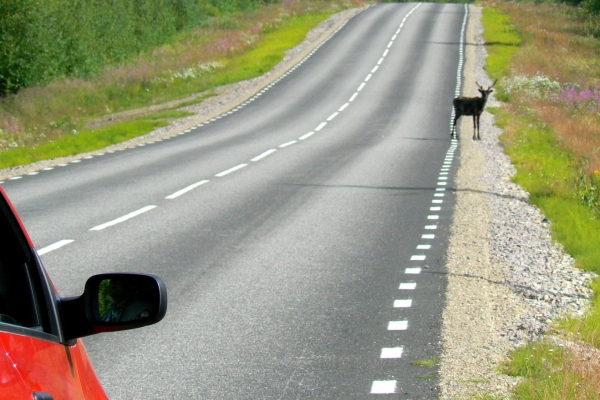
[[301, 236]]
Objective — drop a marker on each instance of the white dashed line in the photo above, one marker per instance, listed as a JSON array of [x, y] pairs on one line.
[[391, 352], [417, 257], [412, 270], [281, 146], [428, 236], [230, 170], [332, 116], [404, 303], [123, 218], [362, 85], [33, 173], [306, 136], [321, 126], [408, 286], [435, 208], [374, 69], [430, 226], [398, 325], [383, 387], [263, 155], [14, 178], [54, 246], [185, 190], [368, 77], [423, 247], [353, 97], [433, 217]]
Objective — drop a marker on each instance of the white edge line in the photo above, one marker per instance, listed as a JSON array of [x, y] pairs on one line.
[[186, 189], [123, 218], [54, 246]]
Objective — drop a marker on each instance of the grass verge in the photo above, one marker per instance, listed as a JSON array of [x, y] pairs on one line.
[[39, 122], [551, 165]]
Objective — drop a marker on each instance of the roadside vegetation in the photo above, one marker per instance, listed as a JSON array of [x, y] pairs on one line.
[[53, 106], [546, 56]]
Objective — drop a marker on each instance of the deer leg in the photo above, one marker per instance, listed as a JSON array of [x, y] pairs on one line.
[[478, 137], [453, 133], [474, 127]]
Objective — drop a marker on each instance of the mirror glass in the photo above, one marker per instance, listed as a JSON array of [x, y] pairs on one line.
[[123, 298]]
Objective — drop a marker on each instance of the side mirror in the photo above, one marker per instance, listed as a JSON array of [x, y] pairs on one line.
[[114, 302]]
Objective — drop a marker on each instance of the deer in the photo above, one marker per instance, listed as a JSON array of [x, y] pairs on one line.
[[471, 106]]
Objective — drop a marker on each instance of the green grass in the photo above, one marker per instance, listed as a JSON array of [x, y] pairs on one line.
[[426, 362], [96, 99], [550, 173], [502, 41], [84, 141]]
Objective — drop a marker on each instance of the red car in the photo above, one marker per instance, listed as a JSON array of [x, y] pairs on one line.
[[41, 355]]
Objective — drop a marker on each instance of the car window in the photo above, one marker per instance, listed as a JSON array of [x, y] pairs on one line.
[[18, 302]]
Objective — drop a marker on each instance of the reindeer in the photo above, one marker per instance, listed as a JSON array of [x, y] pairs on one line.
[[471, 106]]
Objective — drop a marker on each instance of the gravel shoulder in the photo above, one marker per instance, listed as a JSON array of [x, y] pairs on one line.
[[507, 280]]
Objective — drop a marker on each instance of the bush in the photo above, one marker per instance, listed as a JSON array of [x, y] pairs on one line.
[[41, 40]]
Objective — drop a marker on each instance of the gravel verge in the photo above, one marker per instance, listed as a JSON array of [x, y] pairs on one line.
[[507, 280]]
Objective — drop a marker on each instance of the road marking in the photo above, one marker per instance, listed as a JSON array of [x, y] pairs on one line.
[[430, 226], [435, 208], [412, 270], [408, 286], [398, 325], [54, 246], [263, 155], [385, 52], [428, 236], [230, 170], [332, 116], [417, 257], [362, 85], [404, 303], [321, 126], [374, 69], [48, 169], [306, 136], [281, 146], [123, 218], [433, 217], [353, 97], [390, 44], [342, 108], [380, 61], [435, 201], [14, 178], [391, 352], [439, 195], [423, 247], [368, 77], [186, 189], [383, 387]]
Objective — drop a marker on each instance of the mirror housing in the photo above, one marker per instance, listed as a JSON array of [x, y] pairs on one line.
[[114, 302]]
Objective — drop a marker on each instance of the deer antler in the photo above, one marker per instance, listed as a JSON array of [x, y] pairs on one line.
[[478, 85], [493, 84]]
